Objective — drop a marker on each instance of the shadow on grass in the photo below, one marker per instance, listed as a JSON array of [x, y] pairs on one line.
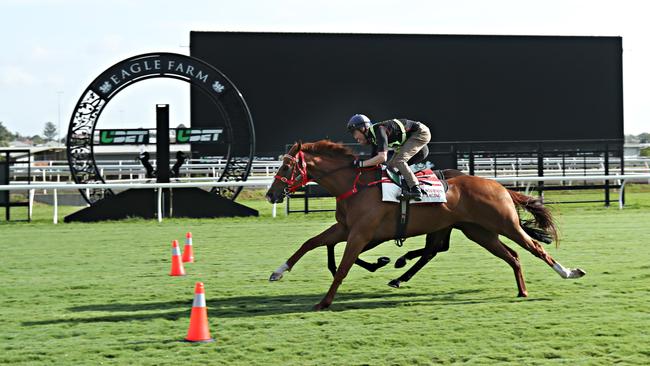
[[251, 306]]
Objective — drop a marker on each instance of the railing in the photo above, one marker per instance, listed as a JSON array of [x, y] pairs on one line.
[[487, 161], [55, 187], [522, 166], [266, 183]]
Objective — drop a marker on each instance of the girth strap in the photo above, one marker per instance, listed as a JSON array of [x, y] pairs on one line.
[[402, 221]]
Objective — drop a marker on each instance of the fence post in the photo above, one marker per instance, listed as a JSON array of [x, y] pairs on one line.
[[286, 206], [159, 204], [621, 195], [606, 166], [540, 170], [30, 207], [471, 161], [56, 206]]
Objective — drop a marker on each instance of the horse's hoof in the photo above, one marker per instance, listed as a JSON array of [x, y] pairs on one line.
[[400, 262], [275, 277], [577, 273], [522, 294], [320, 307], [382, 261], [394, 283]]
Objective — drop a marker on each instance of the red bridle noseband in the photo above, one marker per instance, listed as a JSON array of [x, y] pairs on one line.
[[299, 167]]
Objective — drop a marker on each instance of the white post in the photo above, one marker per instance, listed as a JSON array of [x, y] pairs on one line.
[[56, 207], [275, 208], [621, 192], [159, 204], [44, 179], [30, 208]]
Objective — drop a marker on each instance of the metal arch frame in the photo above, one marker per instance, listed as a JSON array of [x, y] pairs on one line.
[[79, 141]]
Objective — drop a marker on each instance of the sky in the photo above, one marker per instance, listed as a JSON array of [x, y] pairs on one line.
[[52, 49]]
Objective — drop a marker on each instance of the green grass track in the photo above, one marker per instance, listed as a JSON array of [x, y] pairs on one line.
[[90, 294]]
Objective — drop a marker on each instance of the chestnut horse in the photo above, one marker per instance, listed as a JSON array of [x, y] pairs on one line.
[[483, 206]]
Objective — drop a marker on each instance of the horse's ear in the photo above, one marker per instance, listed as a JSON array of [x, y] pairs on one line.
[[299, 144]]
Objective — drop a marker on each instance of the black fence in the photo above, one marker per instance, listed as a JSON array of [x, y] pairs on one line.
[[8, 158]]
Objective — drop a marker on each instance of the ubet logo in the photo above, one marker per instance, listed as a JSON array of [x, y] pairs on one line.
[[189, 135], [109, 137]]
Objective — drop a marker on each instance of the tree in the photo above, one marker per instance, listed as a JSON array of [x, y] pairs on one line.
[[49, 131], [644, 138], [37, 140], [5, 135]]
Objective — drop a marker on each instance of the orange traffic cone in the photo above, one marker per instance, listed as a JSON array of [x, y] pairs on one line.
[[188, 254], [177, 263], [198, 331]]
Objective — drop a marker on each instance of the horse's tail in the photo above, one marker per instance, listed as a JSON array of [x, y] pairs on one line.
[[545, 230]]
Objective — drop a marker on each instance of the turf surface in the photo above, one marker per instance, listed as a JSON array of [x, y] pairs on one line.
[[101, 294]]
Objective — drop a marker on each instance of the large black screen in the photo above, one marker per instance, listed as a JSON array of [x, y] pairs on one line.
[[465, 88]]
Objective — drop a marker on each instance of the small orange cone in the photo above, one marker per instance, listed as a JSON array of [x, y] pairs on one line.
[[188, 254], [198, 331], [177, 263]]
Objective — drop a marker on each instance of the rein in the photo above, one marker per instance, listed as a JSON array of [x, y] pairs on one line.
[[300, 167], [356, 189]]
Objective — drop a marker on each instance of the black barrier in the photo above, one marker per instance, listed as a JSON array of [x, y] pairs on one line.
[[6, 160]]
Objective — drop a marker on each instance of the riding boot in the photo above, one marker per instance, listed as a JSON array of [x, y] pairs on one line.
[[414, 193]]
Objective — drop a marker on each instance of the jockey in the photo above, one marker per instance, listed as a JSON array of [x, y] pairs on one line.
[[406, 137]]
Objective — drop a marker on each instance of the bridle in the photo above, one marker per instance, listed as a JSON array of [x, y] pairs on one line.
[[298, 165]]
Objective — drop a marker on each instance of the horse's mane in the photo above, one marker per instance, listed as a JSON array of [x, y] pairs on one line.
[[329, 149]]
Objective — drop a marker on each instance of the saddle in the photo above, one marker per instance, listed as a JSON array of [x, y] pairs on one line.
[[423, 173], [433, 185]]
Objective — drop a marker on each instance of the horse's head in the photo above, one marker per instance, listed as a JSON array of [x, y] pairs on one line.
[[292, 168], [322, 159]]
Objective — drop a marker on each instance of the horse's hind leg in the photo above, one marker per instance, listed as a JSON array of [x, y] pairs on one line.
[[370, 267], [401, 261], [435, 243], [491, 242], [517, 234]]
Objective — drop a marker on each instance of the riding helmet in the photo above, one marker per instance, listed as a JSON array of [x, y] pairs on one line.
[[358, 121]]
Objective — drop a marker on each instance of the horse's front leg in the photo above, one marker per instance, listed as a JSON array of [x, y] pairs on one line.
[[334, 234], [355, 244]]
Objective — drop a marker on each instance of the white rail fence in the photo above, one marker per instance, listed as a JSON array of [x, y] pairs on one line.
[[56, 171], [55, 187]]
